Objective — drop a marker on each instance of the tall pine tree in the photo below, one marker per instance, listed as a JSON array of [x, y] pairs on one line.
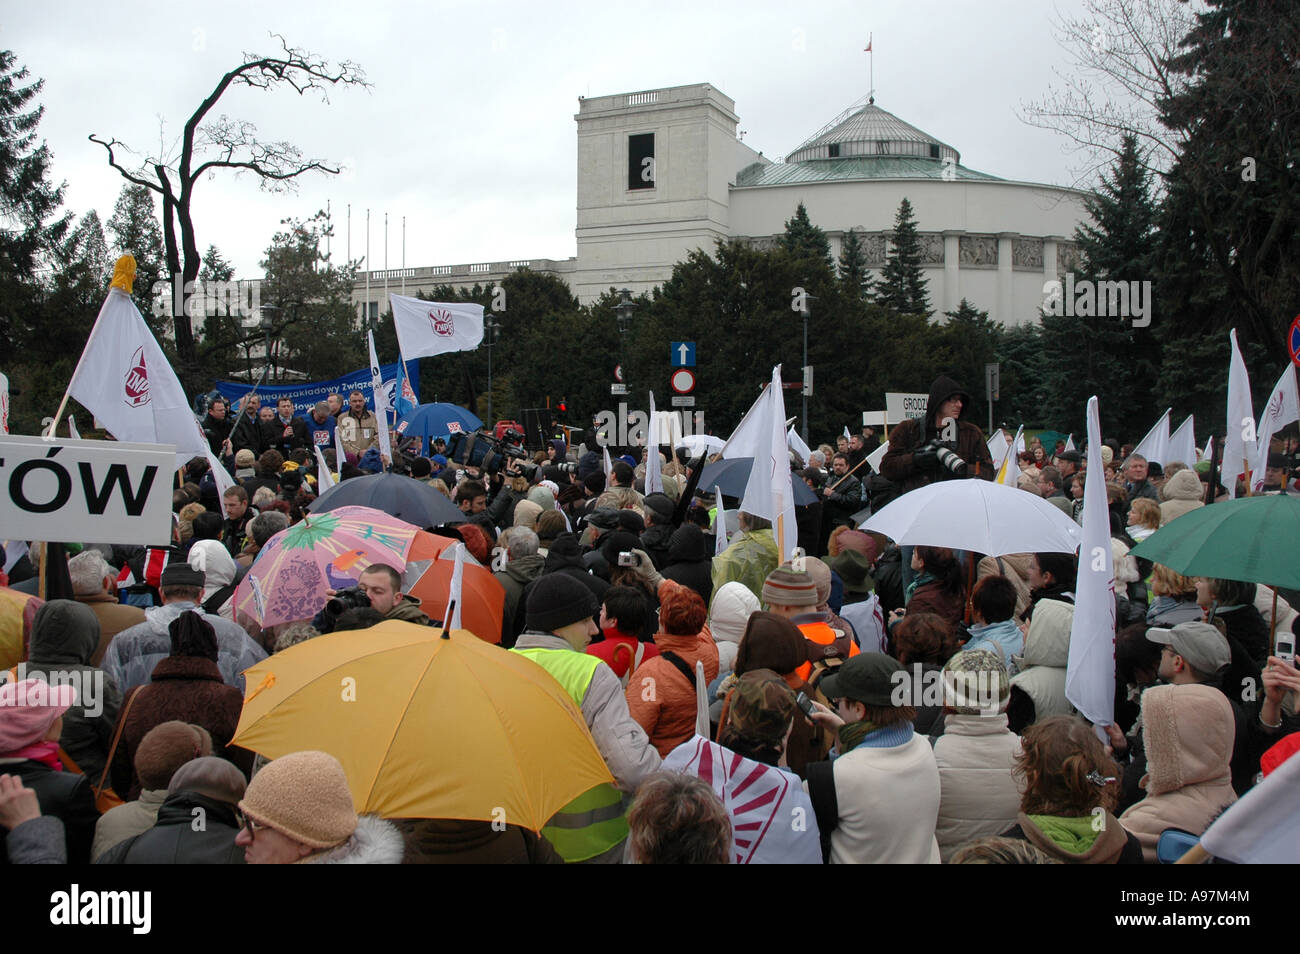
[[802, 239], [902, 287], [133, 229], [855, 278], [1084, 353]]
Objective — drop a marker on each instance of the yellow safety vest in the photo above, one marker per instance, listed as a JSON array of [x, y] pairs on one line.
[[593, 823]]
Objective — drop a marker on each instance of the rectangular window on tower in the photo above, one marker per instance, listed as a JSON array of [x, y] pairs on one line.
[[641, 161]]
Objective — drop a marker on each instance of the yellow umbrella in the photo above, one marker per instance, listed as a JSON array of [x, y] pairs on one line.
[[427, 724]]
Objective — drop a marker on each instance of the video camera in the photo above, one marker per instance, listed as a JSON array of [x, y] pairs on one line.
[[480, 449]]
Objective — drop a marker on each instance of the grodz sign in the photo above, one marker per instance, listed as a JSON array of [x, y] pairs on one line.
[[65, 489], [901, 407]]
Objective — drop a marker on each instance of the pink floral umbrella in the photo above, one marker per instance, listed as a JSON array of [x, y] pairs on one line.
[[327, 551]]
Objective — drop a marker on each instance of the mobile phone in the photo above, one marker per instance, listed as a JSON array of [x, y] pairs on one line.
[[805, 704], [1285, 648], [628, 559]]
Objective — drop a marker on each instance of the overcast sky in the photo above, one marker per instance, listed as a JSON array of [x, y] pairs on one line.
[[468, 129]]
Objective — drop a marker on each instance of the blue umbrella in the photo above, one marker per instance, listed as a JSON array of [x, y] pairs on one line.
[[436, 420], [402, 497], [731, 475]]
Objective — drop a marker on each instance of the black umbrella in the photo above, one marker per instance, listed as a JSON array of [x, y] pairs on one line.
[[402, 497], [731, 475]]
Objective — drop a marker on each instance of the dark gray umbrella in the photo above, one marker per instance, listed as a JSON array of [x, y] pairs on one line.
[[402, 497]]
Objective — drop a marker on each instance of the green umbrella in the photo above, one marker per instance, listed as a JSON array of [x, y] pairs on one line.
[[1253, 539]]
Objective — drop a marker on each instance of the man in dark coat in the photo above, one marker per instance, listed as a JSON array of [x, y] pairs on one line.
[[690, 561], [290, 431], [217, 427], [913, 458], [246, 432], [659, 528]]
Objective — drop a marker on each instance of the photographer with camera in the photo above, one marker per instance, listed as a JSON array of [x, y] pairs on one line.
[[380, 588], [942, 446]]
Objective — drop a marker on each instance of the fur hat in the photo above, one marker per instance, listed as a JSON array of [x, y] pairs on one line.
[[305, 796], [165, 748]]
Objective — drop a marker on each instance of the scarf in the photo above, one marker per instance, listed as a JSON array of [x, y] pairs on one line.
[[1075, 835], [925, 577], [47, 753], [852, 734]]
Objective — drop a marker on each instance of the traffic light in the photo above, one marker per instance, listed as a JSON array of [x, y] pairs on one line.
[[563, 406]]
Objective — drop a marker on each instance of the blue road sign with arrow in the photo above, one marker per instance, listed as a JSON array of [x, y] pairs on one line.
[[683, 354]]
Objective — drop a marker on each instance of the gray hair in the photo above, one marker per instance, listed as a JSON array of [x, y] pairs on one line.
[[266, 525], [263, 496], [523, 542], [88, 570]]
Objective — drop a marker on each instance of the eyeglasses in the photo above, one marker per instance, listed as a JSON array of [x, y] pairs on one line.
[[249, 826]]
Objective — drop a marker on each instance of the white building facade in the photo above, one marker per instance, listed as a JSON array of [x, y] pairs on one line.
[[662, 173]]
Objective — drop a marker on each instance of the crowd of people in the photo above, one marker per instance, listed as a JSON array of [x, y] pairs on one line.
[[866, 702]]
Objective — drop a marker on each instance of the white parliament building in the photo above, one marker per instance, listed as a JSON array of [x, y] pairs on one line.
[[662, 172]]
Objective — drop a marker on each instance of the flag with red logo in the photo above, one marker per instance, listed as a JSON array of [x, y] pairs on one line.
[[434, 327], [125, 380]]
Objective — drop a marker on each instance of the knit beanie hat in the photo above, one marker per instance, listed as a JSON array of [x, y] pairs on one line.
[[556, 600], [192, 635], [421, 467], [165, 748], [730, 610], [786, 586], [245, 458], [303, 795], [975, 682], [681, 609], [612, 544], [595, 483], [28, 709], [821, 575]]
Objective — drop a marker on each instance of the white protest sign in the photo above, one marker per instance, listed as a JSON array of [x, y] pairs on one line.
[[67, 489], [900, 406]]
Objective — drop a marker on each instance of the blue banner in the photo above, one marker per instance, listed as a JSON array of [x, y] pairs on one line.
[[307, 394]]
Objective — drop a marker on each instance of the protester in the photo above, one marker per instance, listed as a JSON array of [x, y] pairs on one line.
[[677, 819], [1038, 690], [358, 427], [94, 584], [751, 556], [878, 802], [623, 616], [1070, 788], [993, 627], [523, 565], [298, 810], [134, 652], [661, 695], [728, 616], [689, 560]]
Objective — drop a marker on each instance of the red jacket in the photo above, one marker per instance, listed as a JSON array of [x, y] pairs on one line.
[[619, 651]]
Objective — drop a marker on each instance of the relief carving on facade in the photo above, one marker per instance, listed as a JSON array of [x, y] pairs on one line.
[[1027, 253], [977, 250]]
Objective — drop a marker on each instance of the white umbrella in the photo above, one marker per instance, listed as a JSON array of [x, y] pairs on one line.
[[702, 442], [978, 516]]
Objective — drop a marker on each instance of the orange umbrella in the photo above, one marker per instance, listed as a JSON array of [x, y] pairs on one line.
[[428, 579]]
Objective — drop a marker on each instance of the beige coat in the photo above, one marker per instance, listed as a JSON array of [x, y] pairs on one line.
[[126, 821], [1181, 493], [1015, 567], [1188, 731], [978, 795]]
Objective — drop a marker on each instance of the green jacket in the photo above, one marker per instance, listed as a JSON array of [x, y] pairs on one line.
[[753, 554]]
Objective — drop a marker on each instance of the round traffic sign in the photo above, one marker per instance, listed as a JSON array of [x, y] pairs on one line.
[[618, 373], [1293, 340], [682, 381]]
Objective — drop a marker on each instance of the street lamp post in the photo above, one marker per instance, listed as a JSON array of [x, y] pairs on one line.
[[265, 323], [623, 312], [806, 311], [490, 329]]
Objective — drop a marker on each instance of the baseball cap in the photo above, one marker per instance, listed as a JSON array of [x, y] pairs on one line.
[[867, 678], [1203, 646]]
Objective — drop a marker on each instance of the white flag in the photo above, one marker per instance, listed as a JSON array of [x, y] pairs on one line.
[[1090, 671], [609, 468], [1069, 443], [769, 492], [847, 435], [455, 593], [1264, 826], [719, 523], [433, 327], [877, 455], [124, 380], [339, 456], [1239, 438], [1155, 446], [1282, 408], [797, 445], [72, 428], [14, 550], [220, 476], [1009, 472], [1209, 449], [654, 483], [324, 480], [381, 401], [4, 404], [998, 445], [1182, 443]]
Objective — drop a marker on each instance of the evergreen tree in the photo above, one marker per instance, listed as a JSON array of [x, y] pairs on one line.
[[1229, 249], [855, 278], [1087, 354], [902, 287], [967, 342], [215, 268], [133, 229], [802, 239]]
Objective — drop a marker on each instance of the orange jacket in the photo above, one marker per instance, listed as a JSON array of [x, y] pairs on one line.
[[658, 695]]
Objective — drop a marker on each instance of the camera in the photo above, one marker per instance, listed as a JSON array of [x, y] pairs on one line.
[[565, 466], [351, 598], [947, 459], [628, 559], [481, 449]]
